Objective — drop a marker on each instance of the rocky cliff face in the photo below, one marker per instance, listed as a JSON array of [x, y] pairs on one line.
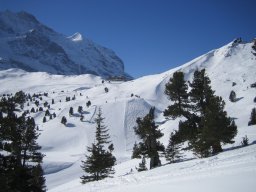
[[27, 44]]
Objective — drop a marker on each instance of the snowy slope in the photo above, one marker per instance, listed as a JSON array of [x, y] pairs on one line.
[[65, 146], [27, 44]]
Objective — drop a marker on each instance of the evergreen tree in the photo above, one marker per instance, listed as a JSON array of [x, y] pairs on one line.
[[20, 98], [47, 113], [232, 96], [149, 134], [52, 101], [172, 152], [142, 165], [136, 153], [253, 117], [245, 141], [80, 109], [44, 119], [207, 127], [88, 104], [33, 110], [18, 137], [64, 120], [71, 111], [100, 161], [176, 89]]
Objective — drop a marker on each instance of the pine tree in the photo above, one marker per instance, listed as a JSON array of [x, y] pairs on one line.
[[176, 89], [208, 126], [64, 120], [100, 161], [32, 110], [149, 134], [80, 109], [71, 111], [232, 96], [142, 165], [253, 117], [18, 137], [88, 103], [136, 153], [172, 152], [245, 141], [47, 113], [44, 119]]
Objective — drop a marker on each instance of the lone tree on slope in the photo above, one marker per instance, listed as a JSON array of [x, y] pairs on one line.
[[100, 161]]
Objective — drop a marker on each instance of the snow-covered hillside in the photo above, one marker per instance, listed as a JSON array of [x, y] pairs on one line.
[[232, 67], [27, 44]]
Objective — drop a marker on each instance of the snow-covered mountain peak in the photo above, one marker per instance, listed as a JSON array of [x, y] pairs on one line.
[[30, 45], [76, 37]]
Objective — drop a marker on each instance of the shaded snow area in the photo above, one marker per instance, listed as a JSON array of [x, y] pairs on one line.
[[232, 67]]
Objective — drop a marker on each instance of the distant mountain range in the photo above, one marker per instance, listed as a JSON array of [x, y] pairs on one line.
[[27, 44]]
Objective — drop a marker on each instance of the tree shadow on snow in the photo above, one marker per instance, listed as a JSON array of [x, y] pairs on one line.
[[70, 125], [238, 99]]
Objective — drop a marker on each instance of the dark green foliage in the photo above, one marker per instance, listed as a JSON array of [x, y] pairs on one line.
[[172, 152], [45, 104], [176, 89], [233, 84], [52, 101], [136, 153], [37, 103], [253, 117], [67, 99], [71, 111], [20, 98], [207, 125], [19, 167], [64, 120], [142, 165], [200, 92], [47, 113], [32, 110], [1, 115], [41, 109], [232, 96], [254, 100], [74, 97], [80, 109], [149, 134], [106, 90], [88, 104], [44, 119], [245, 141], [81, 118], [100, 161]]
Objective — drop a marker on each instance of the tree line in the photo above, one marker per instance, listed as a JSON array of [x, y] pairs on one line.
[[20, 159]]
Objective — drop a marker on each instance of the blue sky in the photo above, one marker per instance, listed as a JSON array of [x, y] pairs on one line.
[[150, 36]]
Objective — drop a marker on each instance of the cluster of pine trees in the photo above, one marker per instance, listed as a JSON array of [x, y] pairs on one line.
[[205, 125], [20, 159]]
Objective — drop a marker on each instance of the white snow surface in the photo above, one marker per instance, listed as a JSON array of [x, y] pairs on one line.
[[65, 146]]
